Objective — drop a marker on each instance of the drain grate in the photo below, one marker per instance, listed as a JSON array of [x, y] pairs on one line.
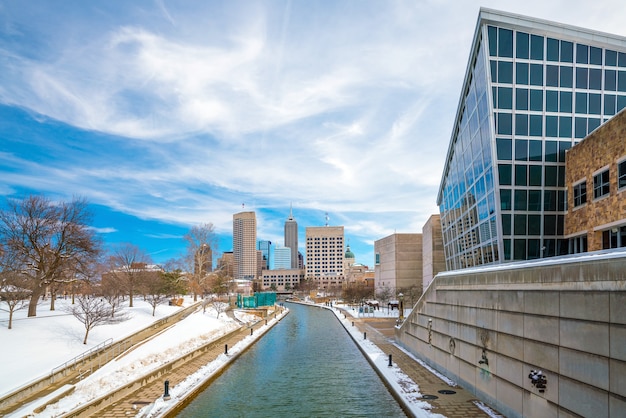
[[430, 397], [447, 392]]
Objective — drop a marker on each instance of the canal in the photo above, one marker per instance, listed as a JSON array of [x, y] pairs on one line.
[[305, 366]]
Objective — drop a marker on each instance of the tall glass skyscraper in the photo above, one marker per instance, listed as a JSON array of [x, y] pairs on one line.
[[532, 90], [291, 238]]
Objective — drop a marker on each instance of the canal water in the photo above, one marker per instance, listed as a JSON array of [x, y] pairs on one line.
[[305, 366]]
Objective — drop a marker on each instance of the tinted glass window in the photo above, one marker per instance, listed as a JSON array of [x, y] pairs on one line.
[[552, 75], [581, 78], [595, 79], [552, 101], [582, 54], [505, 72], [595, 55], [581, 102], [580, 127], [492, 33], [536, 47], [534, 150], [551, 151], [505, 199], [521, 150], [505, 174], [521, 99], [594, 103], [567, 51], [550, 175], [521, 47], [536, 128], [521, 73], [505, 98], [536, 100], [565, 76], [610, 80], [520, 200], [505, 123], [552, 127], [536, 74], [521, 124], [609, 104], [552, 50], [621, 81], [503, 147], [534, 176], [610, 58], [505, 43], [565, 126], [565, 101]]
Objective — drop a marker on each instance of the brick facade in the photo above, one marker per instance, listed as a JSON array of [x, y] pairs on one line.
[[603, 148]]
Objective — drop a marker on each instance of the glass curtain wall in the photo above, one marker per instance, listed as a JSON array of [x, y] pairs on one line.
[[528, 99]]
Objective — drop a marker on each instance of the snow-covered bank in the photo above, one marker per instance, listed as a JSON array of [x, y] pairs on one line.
[[189, 386]]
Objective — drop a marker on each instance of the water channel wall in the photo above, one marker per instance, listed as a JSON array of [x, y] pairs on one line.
[[489, 328]]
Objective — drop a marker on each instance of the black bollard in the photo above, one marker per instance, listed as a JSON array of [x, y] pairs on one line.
[[166, 395], [390, 364], [266, 322], [226, 349], [251, 331], [352, 323], [365, 335]]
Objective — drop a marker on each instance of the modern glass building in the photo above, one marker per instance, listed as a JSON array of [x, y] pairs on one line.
[[532, 90]]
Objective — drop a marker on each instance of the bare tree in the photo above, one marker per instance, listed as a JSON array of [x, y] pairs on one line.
[[128, 264], [201, 244], [219, 306], [112, 290], [43, 238], [13, 292], [92, 312]]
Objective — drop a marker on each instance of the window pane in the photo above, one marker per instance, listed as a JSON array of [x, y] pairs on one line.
[[519, 222], [595, 55], [521, 176], [594, 103], [551, 151], [534, 200], [505, 43], [582, 54], [505, 98], [521, 47], [535, 175], [505, 72], [580, 127], [563, 146], [610, 58], [504, 149], [610, 80], [621, 81], [552, 101], [519, 249], [505, 122], [534, 225], [536, 128], [521, 150], [492, 34], [567, 51], [565, 127], [536, 100], [592, 123], [552, 75], [581, 78], [552, 128], [621, 174], [536, 47], [565, 101], [581, 102], [553, 50], [549, 224], [621, 59], [550, 176], [595, 79], [536, 75], [521, 124], [609, 104], [549, 200], [506, 224], [534, 150], [504, 174], [621, 103], [505, 199], [565, 77], [521, 99], [521, 73]]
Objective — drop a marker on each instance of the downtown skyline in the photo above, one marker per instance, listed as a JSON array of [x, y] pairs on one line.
[[165, 115]]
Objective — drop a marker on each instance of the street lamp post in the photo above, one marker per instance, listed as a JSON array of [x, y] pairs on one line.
[[401, 306]]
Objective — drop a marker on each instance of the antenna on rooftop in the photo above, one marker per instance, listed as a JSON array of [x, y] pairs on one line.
[[327, 218]]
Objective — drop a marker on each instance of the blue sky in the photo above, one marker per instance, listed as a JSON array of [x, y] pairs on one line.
[[169, 114]]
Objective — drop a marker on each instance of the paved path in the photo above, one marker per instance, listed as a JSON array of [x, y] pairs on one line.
[[381, 331]]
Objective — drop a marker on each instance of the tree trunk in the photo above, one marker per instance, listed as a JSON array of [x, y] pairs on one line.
[[130, 297], [34, 298], [52, 299], [10, 318], [86, 335]]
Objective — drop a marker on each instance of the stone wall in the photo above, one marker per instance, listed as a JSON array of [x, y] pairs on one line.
[[488, 328]]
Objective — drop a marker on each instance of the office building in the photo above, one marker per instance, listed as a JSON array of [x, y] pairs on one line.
[[266, 253], [282, 258], [244, 245], [398, 263], [324, 256], [532, 90], [291, 239]]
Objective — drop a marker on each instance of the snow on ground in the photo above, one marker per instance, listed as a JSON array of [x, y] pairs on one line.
[[37, 345]]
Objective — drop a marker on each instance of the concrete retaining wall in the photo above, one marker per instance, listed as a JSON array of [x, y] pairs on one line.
[[488, 328]]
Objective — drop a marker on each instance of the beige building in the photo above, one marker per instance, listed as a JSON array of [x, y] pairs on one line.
[[281, 280], [595, 174], [433, 258], [325, 256], [244, 245], [398, 263]]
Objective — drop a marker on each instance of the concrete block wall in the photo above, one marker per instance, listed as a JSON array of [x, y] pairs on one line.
[[563, 316]]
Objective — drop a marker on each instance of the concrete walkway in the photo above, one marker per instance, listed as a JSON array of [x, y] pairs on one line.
[[381, 331]]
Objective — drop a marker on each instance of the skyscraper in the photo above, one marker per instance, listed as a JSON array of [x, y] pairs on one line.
[[291, 238], [532, 90], [244, 245]]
